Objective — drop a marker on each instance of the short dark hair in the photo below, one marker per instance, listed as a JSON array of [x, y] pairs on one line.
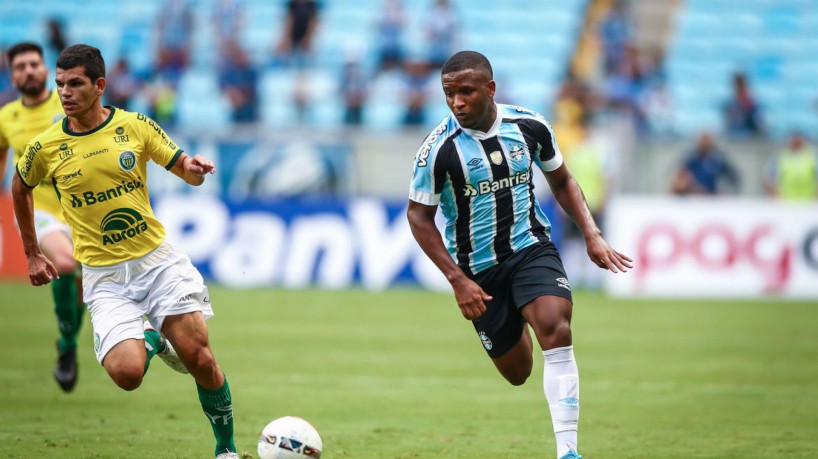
[[467, 60], [83, 56], [23, 47]]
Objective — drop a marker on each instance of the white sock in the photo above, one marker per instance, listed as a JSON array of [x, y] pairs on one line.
[[561, 387]]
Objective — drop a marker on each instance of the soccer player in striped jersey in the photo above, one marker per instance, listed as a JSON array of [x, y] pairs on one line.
[[33, 112], [498, 255], [96, 159]]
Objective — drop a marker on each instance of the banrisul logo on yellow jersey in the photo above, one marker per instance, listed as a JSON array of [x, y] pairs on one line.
[[121, 224], [89, 198]]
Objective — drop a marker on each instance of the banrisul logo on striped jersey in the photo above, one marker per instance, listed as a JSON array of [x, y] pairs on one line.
[[121, 224], [493, 186]]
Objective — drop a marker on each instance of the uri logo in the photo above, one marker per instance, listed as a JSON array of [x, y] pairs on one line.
[[121, 224], [127, 160], [486, 341]]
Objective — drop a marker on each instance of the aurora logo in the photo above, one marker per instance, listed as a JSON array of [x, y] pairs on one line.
[[121, 224]]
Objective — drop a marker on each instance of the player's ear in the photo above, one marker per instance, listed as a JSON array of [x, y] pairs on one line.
[[100, 84], [491, 87]]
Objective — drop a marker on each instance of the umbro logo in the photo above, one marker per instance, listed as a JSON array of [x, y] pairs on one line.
[[475, 164], [563, 282]]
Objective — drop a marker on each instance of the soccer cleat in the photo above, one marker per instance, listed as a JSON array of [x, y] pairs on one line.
[[571, 454], [168, 354], [66, 370], [228, 455]]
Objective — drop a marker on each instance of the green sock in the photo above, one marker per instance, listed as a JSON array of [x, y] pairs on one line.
[[153, 344], [68, 309], [217, 405]]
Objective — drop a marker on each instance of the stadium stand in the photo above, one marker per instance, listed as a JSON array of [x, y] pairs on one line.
[[768, 41]]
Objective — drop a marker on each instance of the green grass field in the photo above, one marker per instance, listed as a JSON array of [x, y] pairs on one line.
[[400, 374]]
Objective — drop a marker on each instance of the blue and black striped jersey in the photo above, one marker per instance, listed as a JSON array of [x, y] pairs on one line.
[[483, 184]]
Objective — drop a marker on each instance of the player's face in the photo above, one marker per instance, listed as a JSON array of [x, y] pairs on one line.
[[77, 92], [29, 73], [470, 97]]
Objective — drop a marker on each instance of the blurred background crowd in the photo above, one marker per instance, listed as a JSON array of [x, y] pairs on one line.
[[306, 97]]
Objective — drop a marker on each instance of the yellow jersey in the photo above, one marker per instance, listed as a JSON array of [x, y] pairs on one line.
[[18, 125], [100, 179]]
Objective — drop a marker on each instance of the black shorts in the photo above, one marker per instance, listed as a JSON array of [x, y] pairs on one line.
[[526, 275]]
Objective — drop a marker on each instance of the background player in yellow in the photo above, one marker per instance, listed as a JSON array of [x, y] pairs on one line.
[[97, 160], [33, 112]]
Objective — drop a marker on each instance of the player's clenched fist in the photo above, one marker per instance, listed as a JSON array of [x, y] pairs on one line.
[[470, 298]]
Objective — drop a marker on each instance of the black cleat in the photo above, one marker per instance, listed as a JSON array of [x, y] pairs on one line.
[[66, 371]]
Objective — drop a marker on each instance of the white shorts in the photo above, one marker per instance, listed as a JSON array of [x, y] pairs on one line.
[[45, 223], [162, 283]]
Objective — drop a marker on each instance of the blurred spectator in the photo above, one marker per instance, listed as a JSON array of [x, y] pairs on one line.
[[7, 90], [56, 36], [575, 102], [122, 85], [161, 97], [441, 33], [228, 20], [742, 114], [414, 92], [299, 31], [792, 174], [354, 88], [301, 96], [624, 87], [592, 166], [615, 32], [657, 106], [390, 30], [175, 36], [238, 80], [704, 169]]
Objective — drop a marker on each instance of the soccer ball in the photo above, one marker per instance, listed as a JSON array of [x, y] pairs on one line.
[[289, 437]]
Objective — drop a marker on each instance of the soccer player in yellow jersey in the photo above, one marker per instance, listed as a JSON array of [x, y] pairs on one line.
[[96, 158], [20, 120]]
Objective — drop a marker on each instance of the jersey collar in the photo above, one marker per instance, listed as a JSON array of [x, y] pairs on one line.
[[80, 134], [493, 130]]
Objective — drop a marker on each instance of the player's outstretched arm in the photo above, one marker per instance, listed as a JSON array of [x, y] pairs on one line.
[[40, 269], [569, 195], [192, 169], [470, 297]]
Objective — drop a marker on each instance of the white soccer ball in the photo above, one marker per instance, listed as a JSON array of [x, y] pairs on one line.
[[289, 437]]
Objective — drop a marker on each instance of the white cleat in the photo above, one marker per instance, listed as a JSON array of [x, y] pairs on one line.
[[168, 354], [228, 455]]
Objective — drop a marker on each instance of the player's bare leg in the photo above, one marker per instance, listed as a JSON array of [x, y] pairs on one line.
[[516, 364], [188, 335], [67, 305], [126, 363], [550, 317]]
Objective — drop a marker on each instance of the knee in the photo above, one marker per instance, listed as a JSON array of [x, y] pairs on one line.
[[554, 334], [518, 374], [65, 264], [202, 361], [127, 377], [518, 378]]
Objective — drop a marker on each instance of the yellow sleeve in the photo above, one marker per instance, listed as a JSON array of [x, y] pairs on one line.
[[4, 143], [159, 146], [31, 166]]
